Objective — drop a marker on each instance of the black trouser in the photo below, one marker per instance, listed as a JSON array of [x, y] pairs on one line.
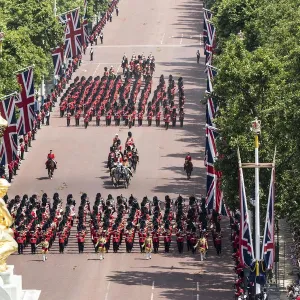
[[107, 246], [115, 247], [219, 248], [97, 248], [174, 123], [101, 39], [33, 248], [22, 155], [80, 247], [92, 56], [10, 176], [181, 123], [155, 246], [29, 142], [157, 123], [167, 125], [188, 244], [33, 135], [68, 122], [167, 246], [126, 122], [140, 121], [15, 170], [141, 247], [62, 112], [149, 122], [97, 122], [77, 122], [198, 59], [180, 246], [47, 121], [129, 246], [20, 248], [61, 247], [26, 147], [86, 124]]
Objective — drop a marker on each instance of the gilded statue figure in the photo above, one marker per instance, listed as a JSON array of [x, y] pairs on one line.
[[8, 245]]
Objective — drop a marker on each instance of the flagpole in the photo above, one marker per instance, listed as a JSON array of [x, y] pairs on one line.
[[6, 96], [29, 67], [256, 129], [70, 11]]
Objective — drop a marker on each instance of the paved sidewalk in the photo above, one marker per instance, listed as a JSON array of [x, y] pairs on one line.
[[287, 272]]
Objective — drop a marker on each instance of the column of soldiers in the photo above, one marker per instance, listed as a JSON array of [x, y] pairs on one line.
[[36, 221], [110, 222]]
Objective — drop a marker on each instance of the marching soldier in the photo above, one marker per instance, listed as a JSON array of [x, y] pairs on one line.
[[45, 248], [101, 245], [148, 245], [80, 240], [202, 247], [68, 119]]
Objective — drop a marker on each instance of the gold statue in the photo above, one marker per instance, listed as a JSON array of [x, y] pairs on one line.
[[8, 245]]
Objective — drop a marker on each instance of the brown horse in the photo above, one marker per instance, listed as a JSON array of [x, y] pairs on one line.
[[50, 167], [188, 167]]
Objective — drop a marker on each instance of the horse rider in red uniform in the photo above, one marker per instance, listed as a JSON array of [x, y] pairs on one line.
[[188, 158], [51, 156], [129, 141]]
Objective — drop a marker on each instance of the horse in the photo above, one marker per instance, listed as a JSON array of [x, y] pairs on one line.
[[120, 173], [188, 167], [50, 167]]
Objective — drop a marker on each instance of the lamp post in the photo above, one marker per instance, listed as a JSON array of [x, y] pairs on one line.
[[1, 41], [256, 129]]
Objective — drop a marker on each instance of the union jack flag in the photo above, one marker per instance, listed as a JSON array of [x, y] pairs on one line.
[[211, 152], [84, 34], [268, 250], [25, 102], [210, 111], [207, 16], [246, 246], [211, 73], [9, 143], [211, 33], [72, 33], [58, 58]]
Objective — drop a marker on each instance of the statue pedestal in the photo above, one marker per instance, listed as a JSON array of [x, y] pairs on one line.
[[11, 287]]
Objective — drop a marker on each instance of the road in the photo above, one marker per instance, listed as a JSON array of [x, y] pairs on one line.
[[170, 29]]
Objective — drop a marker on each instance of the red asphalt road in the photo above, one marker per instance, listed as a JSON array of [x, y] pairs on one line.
[[170, 29]]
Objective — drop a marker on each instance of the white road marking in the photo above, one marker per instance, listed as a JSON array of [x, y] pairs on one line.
[[200, 39], [153, 285], [197, 286], [118, 69], [152, 296], [107, 290], [162, 40], [197, 296], [181, 39], [96, 69], [149, 46]]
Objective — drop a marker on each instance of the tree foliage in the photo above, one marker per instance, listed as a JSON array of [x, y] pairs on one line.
[[258, 76], [31, 31]]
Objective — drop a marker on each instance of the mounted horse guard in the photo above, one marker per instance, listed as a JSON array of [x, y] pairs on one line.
[[51, 164], [188, 166]]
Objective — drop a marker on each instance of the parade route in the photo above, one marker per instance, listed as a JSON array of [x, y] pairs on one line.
[[170, 29]]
